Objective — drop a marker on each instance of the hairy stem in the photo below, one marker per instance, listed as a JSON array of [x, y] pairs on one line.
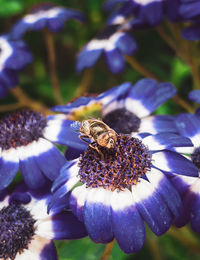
[[183, 49], [85, 83], [107, 252], [186, 238], [52, 65], [183, 104], [25, 101], [139, 67], [10, 107], [154, 247]]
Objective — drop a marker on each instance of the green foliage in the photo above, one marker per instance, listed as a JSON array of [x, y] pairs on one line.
[[10, 7]]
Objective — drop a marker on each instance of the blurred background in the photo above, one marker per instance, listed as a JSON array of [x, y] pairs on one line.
[[153, 53]]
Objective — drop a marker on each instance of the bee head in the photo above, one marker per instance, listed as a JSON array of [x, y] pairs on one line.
[[106, 141], [111, 143]]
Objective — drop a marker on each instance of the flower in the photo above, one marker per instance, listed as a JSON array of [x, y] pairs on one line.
[[26, 144], [194, 96], [114, 42], [188, 125], [146, 12], [45, 15], [189, 10], [14, 56], [27, 231], [126, 108], [115, 194]]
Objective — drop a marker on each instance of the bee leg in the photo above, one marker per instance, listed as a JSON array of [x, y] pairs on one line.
[[82, 138], [98, 151]]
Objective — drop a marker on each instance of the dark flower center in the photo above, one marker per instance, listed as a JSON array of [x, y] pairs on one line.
[[21, 128], [16, 230], [107, 32], [119, 168], [196, 157], [122, 121]]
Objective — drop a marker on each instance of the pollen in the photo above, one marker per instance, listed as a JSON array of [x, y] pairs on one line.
[[120, 167], [16, 230], [85, 112], [21, 128]]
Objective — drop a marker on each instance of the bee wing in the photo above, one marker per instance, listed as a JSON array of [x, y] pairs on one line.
[[75, 126]]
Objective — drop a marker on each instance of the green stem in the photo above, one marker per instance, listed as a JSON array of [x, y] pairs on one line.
[[139, 67], [154, 247], [25, 101], [186, 51], [85, 83], [186, 238], [107, 252], [52, 65]]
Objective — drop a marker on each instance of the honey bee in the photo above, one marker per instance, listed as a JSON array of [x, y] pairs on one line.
[[98, 132]]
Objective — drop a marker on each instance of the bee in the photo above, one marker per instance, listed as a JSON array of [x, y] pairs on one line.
[[98, 132]]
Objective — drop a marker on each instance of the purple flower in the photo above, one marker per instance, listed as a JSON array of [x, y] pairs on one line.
[[189, 10], [27, 144], [127, 108], [14, 56], [114, 43], [188, 125], [27, 231], [128, 186], [145, 12], [45, 15]]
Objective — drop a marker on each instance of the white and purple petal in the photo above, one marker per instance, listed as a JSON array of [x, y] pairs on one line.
[[60, 226], [164, 187], [60, 131], [114, 95], [158, 123], [97, 215], [115, 60], [173, 162], [88, 57], [9, 165], [189, 125], [152, 207], [68, 172], [49, 158], [147, 95], [163, 141], [29, 168], [128, 226], [77, 201], [39, 249], [78, 103], [126, 44]]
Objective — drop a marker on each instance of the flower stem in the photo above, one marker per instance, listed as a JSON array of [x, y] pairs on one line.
[[85, 83], [25, 101], [166, 38], [139, 67], [154, 247], [10, 107], [183, 49], [183, 104], [186, 238], [52, 65], [107, 252]]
